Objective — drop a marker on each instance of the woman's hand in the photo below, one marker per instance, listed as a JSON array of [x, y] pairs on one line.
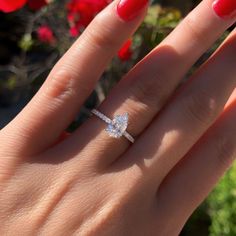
[[93, 184]]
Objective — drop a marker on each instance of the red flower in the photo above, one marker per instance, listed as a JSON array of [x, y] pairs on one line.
[[74, 32], [11, 5], [37, 4], [125, 52], [45, 34], [82, 12]]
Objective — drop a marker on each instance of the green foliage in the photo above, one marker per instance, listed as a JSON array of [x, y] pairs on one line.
[[26, 42], [222, 206], [158, 23]]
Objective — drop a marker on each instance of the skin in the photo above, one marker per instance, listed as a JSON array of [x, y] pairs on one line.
[[92, 184]]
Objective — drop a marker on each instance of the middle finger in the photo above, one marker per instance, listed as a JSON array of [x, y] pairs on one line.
[[191, 113]]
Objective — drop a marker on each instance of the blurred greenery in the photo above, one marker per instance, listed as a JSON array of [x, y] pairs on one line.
[[222, 206], [25, 63]]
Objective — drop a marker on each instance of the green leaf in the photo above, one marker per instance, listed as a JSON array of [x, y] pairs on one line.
[[26, 42]]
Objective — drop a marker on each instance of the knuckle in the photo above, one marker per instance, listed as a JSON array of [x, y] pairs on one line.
[[192, 28], [101, 35], [60, 84], [201, 107], [225, 149], [150, 93]]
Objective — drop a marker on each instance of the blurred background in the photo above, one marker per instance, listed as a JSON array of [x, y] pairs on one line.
[[34, 34]]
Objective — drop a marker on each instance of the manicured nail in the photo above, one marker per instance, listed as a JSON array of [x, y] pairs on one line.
[[225, 8], [130, 9]]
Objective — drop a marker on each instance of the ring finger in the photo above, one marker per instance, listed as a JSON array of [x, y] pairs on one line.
[[144, 91]]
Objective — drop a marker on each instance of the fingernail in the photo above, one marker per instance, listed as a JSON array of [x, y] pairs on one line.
[[225, 8], [130, 9]]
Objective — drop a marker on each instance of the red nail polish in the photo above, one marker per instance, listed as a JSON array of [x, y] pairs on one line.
[[225, 8], [129, 9]]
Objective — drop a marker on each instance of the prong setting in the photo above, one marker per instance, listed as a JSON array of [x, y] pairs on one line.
[[117, 127]]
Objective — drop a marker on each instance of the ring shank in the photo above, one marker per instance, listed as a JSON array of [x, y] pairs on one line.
[[128, 136]]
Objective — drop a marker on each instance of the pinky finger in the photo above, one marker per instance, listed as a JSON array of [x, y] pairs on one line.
[[189, 183]]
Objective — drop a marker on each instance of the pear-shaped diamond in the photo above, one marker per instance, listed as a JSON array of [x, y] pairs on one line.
[[118, 125]]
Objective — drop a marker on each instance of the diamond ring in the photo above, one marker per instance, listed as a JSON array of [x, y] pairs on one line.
[[116, 128]]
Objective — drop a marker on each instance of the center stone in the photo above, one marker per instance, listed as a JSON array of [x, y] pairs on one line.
[[118, 125]]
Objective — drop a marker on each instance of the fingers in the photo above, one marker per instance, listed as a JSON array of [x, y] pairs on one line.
[[74, 76], [144, 91], [195, 176], [187, 117], [231, 99]]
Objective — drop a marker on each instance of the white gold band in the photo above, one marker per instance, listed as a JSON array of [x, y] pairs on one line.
[[117, 127]]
